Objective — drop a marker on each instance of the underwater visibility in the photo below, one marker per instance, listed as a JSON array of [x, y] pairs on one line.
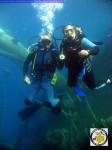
[[55, 75]]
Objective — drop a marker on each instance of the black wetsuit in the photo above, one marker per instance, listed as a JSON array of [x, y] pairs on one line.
[[75, 63]]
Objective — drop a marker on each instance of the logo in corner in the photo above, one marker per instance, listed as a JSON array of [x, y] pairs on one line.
[[99, 137]]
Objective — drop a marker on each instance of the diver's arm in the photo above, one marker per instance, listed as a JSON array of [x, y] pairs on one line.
[[26, 63], [93, 49]]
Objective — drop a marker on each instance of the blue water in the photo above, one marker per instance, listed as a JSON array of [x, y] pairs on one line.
[[20, 21]]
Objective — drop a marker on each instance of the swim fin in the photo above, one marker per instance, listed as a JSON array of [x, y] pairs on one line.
[[29, 110], [77, 90]]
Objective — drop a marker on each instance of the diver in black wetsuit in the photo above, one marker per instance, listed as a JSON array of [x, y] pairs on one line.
[[75, 51]]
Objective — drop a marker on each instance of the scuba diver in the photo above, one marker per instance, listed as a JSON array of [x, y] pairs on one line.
[[43, 59], [75, 52]]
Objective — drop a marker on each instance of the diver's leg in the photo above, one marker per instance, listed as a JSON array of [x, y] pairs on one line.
[[34, 88], [31, 101], [89, 79], [51, 101], [72, 77]]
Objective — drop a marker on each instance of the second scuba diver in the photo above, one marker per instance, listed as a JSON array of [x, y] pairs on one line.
[[75, 50], [43, 59]]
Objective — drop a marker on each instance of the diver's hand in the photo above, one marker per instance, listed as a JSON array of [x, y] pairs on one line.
[[27, 79], [84, 53]]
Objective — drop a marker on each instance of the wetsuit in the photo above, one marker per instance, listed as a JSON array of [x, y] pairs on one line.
[[43, 64], [75, 63]]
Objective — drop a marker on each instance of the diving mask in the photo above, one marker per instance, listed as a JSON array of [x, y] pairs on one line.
[[45, 41], [69, 31]]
